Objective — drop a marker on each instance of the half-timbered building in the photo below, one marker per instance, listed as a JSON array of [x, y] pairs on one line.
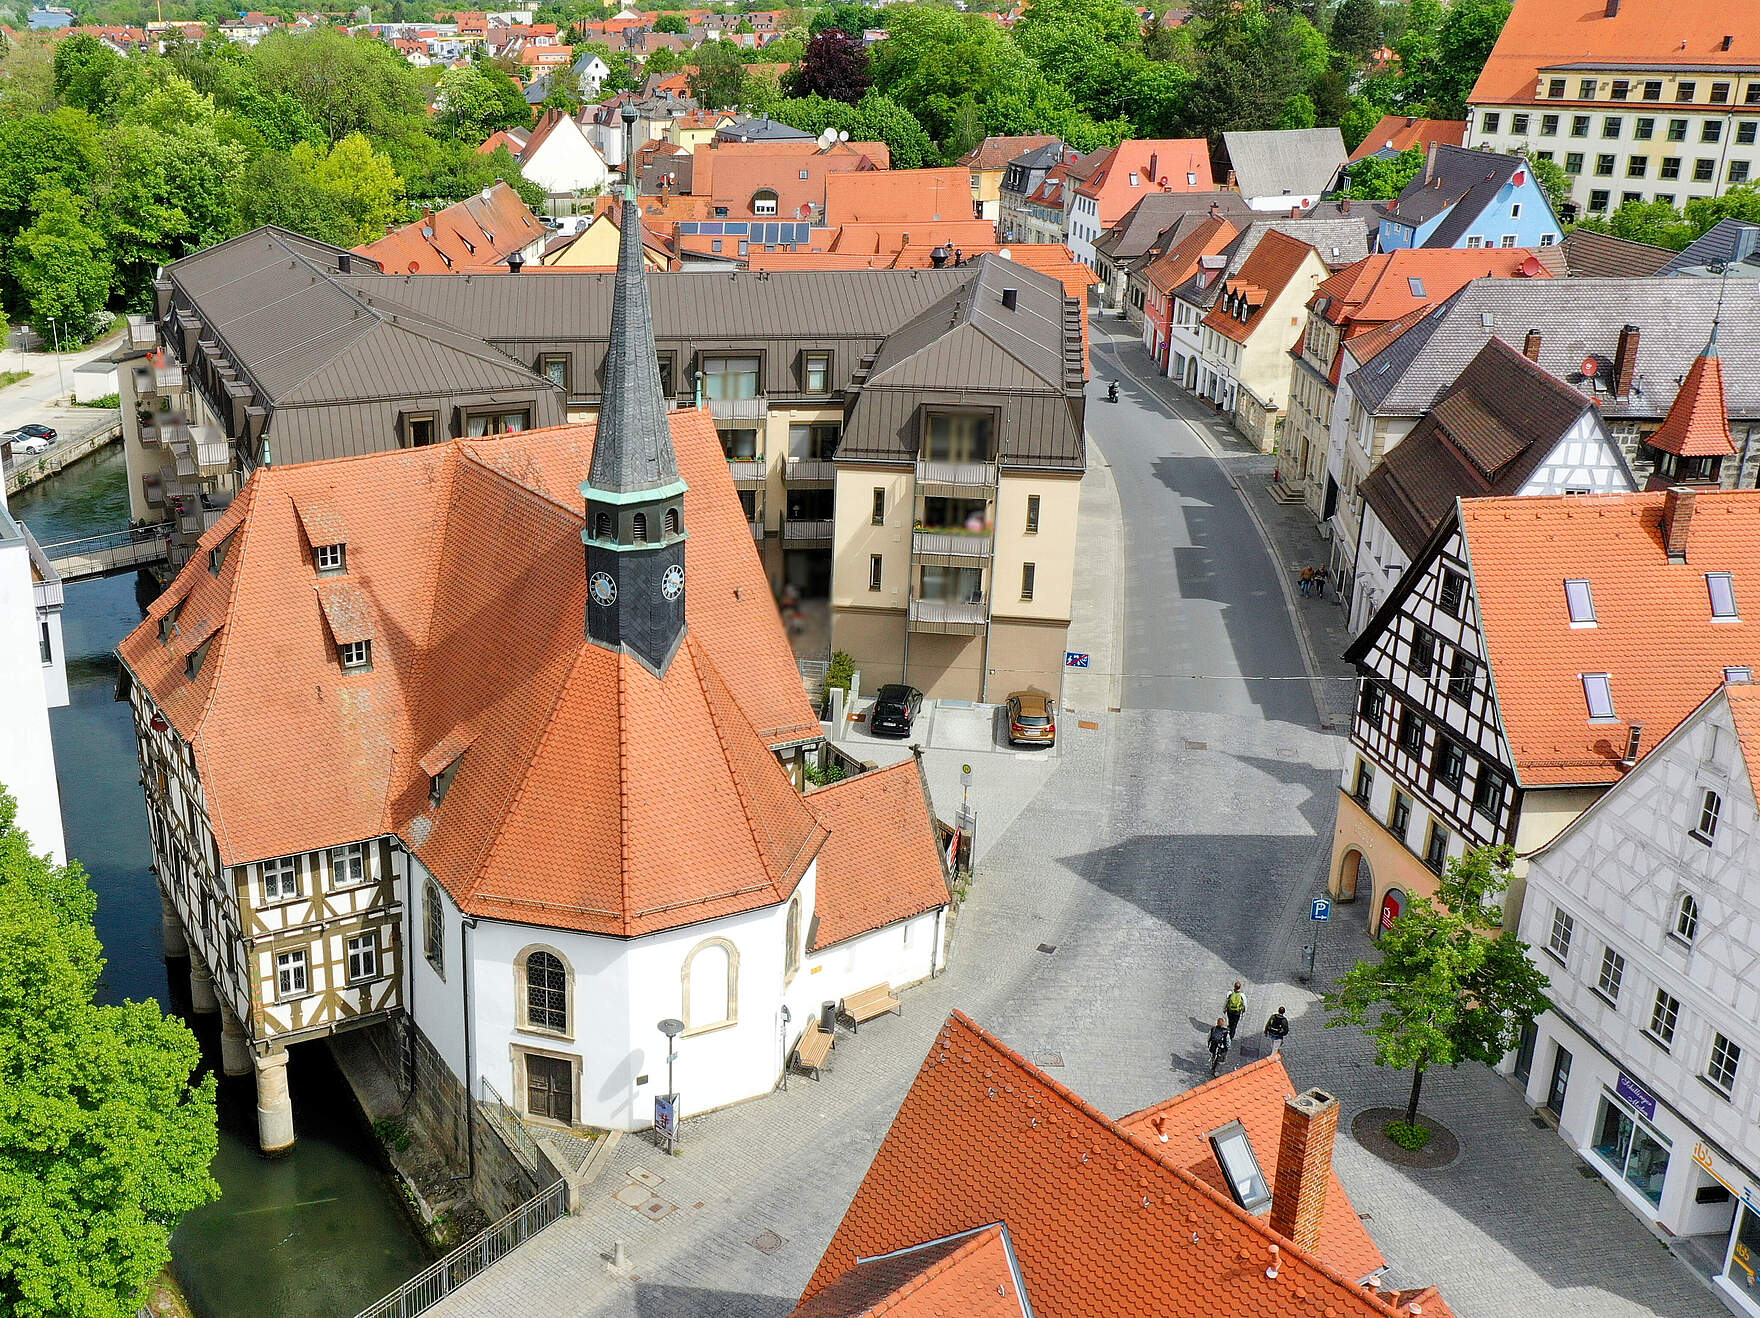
[[412, 766], [1530, 655]]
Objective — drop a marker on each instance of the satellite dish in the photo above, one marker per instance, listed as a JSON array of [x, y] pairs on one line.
[[1005, 254], [1591, 366], [842, 136]]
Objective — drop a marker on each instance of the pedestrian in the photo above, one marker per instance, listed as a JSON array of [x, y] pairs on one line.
[[1233, 1007], [1320, 583], [1307, 582], [1277, 1029]]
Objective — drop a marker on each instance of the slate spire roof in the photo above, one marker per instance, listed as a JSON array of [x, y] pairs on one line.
[[1697, 426]]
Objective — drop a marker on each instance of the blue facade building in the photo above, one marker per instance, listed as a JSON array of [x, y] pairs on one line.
[[1468, 199]]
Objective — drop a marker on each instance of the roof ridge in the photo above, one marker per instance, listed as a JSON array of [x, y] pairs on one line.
[[977, 1239], [1286, 1246], [1166, 1104]]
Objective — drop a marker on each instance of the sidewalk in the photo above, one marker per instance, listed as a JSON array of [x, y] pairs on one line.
[[1096, 621], [1287, 529]]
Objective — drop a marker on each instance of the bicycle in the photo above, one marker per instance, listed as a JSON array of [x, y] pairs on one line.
[[1218, 1055]]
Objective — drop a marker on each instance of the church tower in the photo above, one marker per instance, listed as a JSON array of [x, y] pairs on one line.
[[635, 533]]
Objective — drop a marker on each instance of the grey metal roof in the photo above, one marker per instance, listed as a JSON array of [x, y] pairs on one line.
[[1162, 214], [1576, 319], [634, 447], [1736, 243], [971, 337], [1040, 157], [1286, 160], [744, 128], [1456, 177]]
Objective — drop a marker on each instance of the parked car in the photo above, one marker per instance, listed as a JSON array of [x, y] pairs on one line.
[[35, 431], [895, 708], [23, 443], [1032, 719]]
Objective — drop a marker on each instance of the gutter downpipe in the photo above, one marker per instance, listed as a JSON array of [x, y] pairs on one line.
[[470, 1113]]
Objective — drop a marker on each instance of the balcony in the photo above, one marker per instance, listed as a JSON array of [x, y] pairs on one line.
[[949, 617], [746, 472], [808, 532], [951, 548], [811, 471], [142, 332], [757, 530], [953, 477], [739, 409]]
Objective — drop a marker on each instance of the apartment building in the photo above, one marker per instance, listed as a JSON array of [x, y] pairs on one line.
[[780, 360], [1637, 100], [1123, 175], [1638, 913], [1468, 199], [988, 164], [1021, 179]]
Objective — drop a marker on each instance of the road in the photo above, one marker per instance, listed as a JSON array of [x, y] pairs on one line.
[[1122, 886], [46, 397]]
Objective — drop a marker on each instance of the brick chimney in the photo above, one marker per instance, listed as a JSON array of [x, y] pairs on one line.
[[1304, 1166], [1531, 346], [1677, 525], [1430, 164], [1625, 362]]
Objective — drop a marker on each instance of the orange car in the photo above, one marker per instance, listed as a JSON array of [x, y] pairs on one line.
[[1032, 720]]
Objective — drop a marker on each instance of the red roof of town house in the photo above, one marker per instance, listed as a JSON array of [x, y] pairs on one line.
[[1401, 132], [1180, 262], [899, 196], [882, 862], [1645, 34], [473, 236], [1386, 286], [734, 173], [545, 56], [1262, 277], [995, 152], [1101, 1221], [1653, 633], [973, 1274], [514, 139], [1130, 170], [1697, 424], [438, 539]]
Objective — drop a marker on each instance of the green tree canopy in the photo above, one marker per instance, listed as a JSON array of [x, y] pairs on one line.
[[672, 23], [1451, 985], [719, 79], [1356, 28], [85, 73], [476, 100], [347, 84], [853, 19], [346, 196], [62, 265], [105, 1142], [1378, 178]]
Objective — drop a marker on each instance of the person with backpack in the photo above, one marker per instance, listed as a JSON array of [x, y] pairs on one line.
[[1233, 1007], [1277, 1029]]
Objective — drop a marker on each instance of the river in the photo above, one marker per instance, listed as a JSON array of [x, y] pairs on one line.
[[321, 1231]]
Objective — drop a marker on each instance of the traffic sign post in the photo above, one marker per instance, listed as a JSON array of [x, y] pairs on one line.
[[1072, 659], [1321, 909], [1319, 912]]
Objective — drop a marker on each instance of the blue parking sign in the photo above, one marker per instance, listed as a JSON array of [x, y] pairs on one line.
[[1073, 660], [1322, 909]]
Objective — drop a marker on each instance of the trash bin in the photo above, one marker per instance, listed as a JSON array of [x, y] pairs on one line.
[[828, 1017]]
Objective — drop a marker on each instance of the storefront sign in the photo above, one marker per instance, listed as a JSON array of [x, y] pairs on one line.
[[1391, 905], [1635, 1094], [1726, 1176]]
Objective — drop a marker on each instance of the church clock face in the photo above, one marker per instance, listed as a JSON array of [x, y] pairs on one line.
[[672, 583], [602, 588]]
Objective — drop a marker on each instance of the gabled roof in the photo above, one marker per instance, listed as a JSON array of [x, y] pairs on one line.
[[1259, 282], [1293, 161], [997, 152], [1653, 632], [1697, 425], [1389, 285], [898, 196], [1457, 181], [1338, 243], [1398, 133], [1601, 255], [1641, 34], [882, 862], [1163, 217], [973, 1274], [1102, 1220], [1486, 436], [1155, 165], [1735, 244], [467, 560], [1180, 263], [475, 235]]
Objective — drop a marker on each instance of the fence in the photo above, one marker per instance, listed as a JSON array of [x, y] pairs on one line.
[[506, 1123], [114, 551], [421, 1293]]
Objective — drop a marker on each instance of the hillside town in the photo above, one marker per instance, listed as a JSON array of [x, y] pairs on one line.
[[1043, 658]]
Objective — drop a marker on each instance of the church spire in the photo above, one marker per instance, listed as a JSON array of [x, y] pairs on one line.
[[635, 533]]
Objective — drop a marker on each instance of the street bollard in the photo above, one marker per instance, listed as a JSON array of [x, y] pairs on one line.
[[1307, 962]]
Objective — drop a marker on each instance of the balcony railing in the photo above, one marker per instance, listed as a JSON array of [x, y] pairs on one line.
[[817, 529], [952, 544], [811, 471], [142, 332], [951, 616], [757, 530], [961, 475], [746, 469], [739, 409]]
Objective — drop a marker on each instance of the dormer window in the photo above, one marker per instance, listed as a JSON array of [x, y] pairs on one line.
[[1580, 600], [330, 558], [193, 664], [355, 656], [217, 555], [1723, 596], [168, 623], [438, 784], [1598, 695]]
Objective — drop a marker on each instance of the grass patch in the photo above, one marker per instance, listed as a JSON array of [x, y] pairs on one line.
[[13, 377], [109, 402], [394, 1135], [1408, 1135]]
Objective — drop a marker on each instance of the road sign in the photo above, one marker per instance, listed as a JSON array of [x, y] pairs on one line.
[[666, 1117], [1322, 909], [1073, 660]]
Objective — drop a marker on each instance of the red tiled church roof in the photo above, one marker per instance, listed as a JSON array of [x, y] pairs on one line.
[[1697, 424]]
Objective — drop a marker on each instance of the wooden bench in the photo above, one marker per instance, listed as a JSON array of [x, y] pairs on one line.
[[815, 1046], [865, 1004]]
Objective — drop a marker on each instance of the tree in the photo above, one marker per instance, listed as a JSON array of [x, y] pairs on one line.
[[1376, 178], [661, 63], [347, 84], [104, 1140], [1654, 222], [1256, 59], [1356, 28], [347, 196], [1553, 181], [1463, 44], [673, 23], [61, 264], [1741, 202], [562, 93], [1452, 985], [85, 69], [853, 19], [475, 101], [719, 79], [835, 65]]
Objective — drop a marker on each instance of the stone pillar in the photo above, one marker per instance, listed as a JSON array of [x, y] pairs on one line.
[[171, 926], [201, 988], [274, 1104], [235, 1052]]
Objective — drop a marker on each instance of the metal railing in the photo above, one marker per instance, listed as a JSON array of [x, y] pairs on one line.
[[423, 1291], [958, 613], [818, 529], [963, 544], [746, 469], [506, 1123], [966, 474], [803, 470], [94, 556]]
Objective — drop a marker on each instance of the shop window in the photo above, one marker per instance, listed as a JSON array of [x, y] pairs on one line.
[[1665, 1014], [1726, 1056], [1636, 1153], [1558, 938]]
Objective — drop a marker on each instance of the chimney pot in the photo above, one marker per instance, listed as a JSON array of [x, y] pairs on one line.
[[1304, 1167], [1345, 206], [1677, 521], [1612, 8], [1625, 362], [1531, 346]]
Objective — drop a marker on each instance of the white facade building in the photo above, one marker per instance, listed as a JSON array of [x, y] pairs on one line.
[[1645, 913], [33, 676], [562, 160]]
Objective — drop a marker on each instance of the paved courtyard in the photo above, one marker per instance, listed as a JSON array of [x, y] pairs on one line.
[[1156, 856]]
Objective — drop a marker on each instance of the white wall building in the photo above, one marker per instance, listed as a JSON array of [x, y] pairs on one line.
[[32, 664], [1645, 913], [559, 158]]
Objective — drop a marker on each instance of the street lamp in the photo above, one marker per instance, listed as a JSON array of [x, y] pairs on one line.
[[666, 1106], [55, 333]]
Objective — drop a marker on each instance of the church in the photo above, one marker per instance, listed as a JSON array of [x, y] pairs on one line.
[[497, 747]]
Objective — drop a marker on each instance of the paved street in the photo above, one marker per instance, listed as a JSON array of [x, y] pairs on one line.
[[1160, 855], [45, 398]]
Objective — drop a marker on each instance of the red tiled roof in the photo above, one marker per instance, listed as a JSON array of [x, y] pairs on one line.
[[1165, 165], [472, 236], [466, 558], [900, 197], [1697, 424], [995, 152], [734, 172], [1262, 278], [970, 1275], [1645, 34], [1180, 262], [1653, 633], [1378, 288], [1104, 1223], [1253, 1095], [1402, 132], [882, 863], [1744, 711]]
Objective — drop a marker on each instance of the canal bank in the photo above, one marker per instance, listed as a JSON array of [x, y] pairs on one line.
[[325, 1230]]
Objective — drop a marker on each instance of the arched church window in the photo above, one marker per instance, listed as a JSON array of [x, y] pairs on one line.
[[709, 985], [639, 527]]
